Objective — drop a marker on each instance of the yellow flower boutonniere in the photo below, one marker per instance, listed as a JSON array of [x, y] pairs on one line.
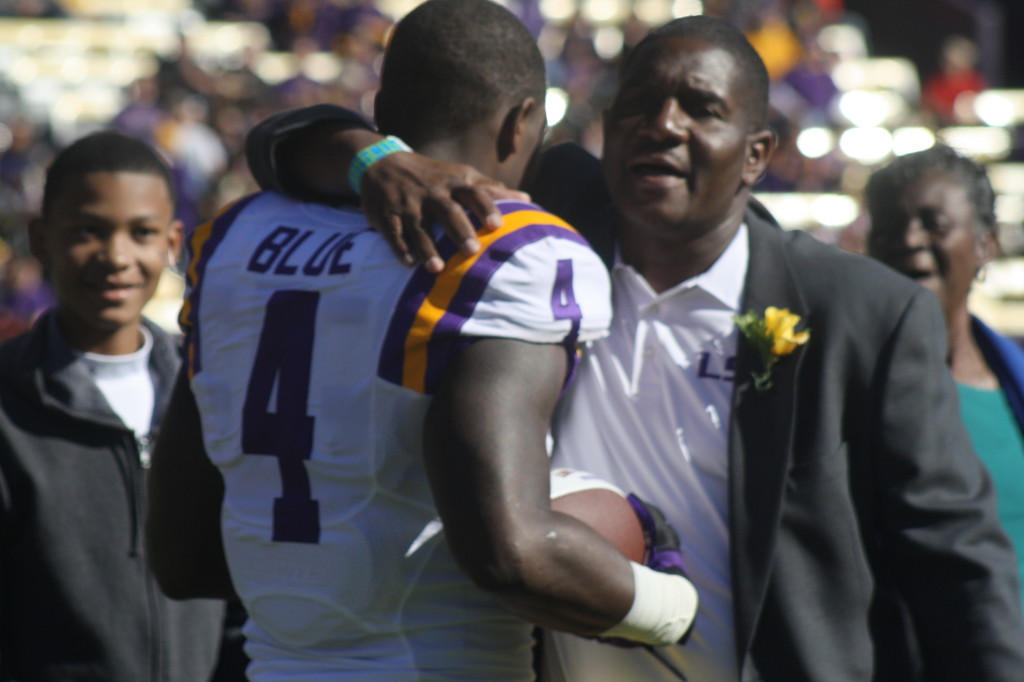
[[772, 336]]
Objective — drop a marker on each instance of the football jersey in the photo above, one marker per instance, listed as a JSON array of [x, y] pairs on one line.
[[312, 355]]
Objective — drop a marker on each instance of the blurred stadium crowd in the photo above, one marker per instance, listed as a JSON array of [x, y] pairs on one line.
[[192, 77]]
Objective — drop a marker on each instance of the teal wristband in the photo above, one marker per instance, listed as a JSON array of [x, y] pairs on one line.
[[371, 155]]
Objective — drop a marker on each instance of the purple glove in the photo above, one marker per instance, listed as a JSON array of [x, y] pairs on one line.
[[661, 539]]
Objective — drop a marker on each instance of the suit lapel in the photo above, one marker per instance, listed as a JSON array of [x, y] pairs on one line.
[[761, 433]]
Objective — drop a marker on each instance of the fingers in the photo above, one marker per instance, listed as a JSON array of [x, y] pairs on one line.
[[421, 246], [499, 191], [392, 232], [404, 193], [479, 197], [479, 201], [451, 215]]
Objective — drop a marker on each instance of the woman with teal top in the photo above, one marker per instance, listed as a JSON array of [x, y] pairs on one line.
[[933, 219]]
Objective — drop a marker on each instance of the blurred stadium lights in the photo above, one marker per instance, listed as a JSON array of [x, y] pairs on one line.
[[35, 36], [878, 73], [116, 8], [652, 12], [557, 11], [24, 70], [220, 38], [870, 108], [321, 67], [610, 12], [1010, 209], [911, 139], [68, 108], [815, 142], [1007, 177], [233, 38], [275, 67], [556, 103], [981, 143], [29, 34], [843, 40], [1000, 107], [805, 210], [74, 70], [604, 12], [834, 210], [1008, 182], [608, 41], [687, 8], [866, 145]]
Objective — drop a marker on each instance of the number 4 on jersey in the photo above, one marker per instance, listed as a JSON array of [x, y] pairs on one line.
[[563, 300], [283, 360]]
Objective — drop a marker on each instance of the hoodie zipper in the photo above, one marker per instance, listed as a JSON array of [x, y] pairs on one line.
[[142, 446], [139, 446]]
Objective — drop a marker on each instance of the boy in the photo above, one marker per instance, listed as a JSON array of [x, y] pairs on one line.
[[81, 395]]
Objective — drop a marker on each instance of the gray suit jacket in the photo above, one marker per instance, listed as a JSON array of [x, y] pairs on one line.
[[854, 490]]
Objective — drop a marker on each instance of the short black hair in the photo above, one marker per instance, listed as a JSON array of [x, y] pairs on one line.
[[102, 152], [751, 71], [887, 184], [451, 64]]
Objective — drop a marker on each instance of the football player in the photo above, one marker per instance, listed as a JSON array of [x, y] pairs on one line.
[[368, 440]]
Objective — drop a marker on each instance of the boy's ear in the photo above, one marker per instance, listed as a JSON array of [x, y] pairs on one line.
[[38, 241], [514, 128]]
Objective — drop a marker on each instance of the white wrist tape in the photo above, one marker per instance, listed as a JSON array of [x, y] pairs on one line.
[[664, 607]]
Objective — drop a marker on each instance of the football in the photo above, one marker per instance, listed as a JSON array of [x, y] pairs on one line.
[[600, 505]]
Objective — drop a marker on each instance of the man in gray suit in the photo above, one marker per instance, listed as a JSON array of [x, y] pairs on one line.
[[836, 522]]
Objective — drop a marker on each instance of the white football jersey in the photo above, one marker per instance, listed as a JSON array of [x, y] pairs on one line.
[[313, 354]]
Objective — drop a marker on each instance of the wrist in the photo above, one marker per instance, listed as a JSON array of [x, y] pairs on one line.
[[663, 610], [370, 155]]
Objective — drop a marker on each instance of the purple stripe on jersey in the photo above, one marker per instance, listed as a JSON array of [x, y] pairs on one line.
[[220, 228], [473, 285], [507, 207], [391, 362]]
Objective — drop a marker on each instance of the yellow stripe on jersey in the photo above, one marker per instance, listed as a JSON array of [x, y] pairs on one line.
[[447, 283]]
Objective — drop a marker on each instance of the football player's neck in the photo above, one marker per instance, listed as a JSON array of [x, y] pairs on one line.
[[475, 147]]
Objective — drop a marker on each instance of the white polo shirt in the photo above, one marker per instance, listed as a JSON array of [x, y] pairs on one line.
[[650, 411]]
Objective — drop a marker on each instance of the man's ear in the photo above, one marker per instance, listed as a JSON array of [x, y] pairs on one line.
[[514, 128], [760, 146], [38, 241]]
